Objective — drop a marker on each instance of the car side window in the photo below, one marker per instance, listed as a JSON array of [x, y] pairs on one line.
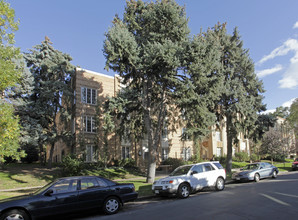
[[208, 167], [87, 183], [198, 168], [64, 186], [101, 183]]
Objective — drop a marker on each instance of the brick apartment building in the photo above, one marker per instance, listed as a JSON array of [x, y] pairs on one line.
[[91, 89]]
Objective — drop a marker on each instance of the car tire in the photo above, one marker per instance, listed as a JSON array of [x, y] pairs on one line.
[[15, 214], [220, 184], [257, 177], [111, 205], [274, 174], [183, 191]]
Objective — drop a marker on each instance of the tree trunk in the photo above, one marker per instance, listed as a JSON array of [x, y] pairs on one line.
[[51, 156], [229, 145]]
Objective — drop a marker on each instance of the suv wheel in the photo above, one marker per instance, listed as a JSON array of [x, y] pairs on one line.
[[220, 184], [183, 191]]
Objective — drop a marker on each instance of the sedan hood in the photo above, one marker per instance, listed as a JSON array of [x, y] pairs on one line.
[[244, 172], [19, 198]]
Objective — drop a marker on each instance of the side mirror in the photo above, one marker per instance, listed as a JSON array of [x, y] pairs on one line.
[[49, 192], [193, 172]]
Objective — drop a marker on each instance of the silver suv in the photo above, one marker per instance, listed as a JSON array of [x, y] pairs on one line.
[[191, 178]]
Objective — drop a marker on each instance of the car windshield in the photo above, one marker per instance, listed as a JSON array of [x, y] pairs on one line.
[[42, 188], [181, 171], [251, 167]]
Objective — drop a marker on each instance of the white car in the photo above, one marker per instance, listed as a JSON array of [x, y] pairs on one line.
[[191, 178]]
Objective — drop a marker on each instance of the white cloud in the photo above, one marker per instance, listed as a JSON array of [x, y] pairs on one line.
[[295, 25], [266, 72], [289, 45], [290, 78], [288, 103]]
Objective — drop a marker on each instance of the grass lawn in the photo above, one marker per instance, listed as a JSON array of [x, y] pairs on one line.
[[15, 176]]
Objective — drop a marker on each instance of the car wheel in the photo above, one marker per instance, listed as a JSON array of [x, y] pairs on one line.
[[220, 184], [274, 174], [257, 177], [111, 205], [183, 191], [14, 214]]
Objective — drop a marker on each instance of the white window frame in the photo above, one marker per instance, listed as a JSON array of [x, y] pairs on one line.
[[92, 100], [86, 122], [90, 153]]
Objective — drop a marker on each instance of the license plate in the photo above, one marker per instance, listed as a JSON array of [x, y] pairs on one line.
[[156, 191], [237, 178]]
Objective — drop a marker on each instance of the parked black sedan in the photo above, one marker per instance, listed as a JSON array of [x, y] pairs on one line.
[[69, 194]]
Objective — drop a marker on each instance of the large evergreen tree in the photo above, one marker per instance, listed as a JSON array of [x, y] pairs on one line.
[[52, 94], [9, 76], [241, 98], [146, 48], [200, 87]]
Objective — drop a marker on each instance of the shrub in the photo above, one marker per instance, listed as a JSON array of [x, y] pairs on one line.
[[254, 157], [127, 163], [72, 166], [174, 162], [222, 159], [31, 154], [241, 157]]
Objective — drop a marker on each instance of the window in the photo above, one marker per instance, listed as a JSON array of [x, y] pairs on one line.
[[90, 153], [65, 186], [164, 153], [125, 152], [218, 151], [88, 95], [218, 136], [88, 183], [198, 168], [186, 153], [89, 124], [208, 167]]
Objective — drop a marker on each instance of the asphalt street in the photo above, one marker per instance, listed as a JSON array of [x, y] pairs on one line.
[[267, 199]]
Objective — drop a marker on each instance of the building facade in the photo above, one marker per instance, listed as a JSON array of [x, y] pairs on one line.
[[91, 90]]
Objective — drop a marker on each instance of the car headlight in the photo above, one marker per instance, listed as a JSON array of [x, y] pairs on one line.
[[167, 182]]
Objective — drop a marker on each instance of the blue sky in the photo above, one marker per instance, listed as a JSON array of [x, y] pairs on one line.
[[269, 29]]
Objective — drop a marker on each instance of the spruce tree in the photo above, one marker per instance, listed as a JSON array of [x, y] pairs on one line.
[[52, 94], [146, 48], [241, 98]]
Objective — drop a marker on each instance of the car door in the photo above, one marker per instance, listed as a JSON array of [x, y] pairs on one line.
[[211, 174], [92, 192], [264, 170], [197, 177], [62, 197]]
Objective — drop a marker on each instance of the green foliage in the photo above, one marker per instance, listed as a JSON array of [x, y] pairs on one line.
[[53, 95], [293, 117], [146, 48], [72, 166], [9, 133], [241, 157], [222, 160], [254, 157], [9, 74], [240, 99], [127, 163], [174, 162]]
